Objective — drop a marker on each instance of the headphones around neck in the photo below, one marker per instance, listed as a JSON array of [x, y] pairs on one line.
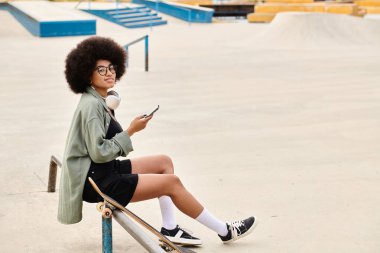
[[113, 100]]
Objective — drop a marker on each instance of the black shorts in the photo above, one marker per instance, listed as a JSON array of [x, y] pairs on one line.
[[114, 179]]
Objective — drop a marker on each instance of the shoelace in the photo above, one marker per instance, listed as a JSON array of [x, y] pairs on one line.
[[235, 228]]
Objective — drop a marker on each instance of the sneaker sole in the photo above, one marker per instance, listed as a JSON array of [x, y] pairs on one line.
[[184, 242], [245, 234]]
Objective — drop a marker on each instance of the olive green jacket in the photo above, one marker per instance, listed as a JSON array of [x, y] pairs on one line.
[[85, 142]]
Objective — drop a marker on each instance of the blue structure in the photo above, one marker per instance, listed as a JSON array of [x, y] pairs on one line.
[[107, 235], [40, 22], [182, 11], [47, 19], [135, 17]]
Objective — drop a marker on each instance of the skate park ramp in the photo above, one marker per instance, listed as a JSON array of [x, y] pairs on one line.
[[310, 30]]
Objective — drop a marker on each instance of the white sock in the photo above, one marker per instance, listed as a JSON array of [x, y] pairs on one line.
[[167, 212], [209, 220]]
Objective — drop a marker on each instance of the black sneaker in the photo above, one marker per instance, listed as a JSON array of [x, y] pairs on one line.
[[239, 229], [180, 236]]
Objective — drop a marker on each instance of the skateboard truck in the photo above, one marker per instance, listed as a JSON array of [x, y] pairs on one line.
[[105, 208]]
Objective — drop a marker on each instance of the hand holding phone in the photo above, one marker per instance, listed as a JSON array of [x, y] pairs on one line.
[[151, 114]]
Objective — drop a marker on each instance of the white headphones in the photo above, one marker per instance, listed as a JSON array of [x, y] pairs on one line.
[[113, 100]]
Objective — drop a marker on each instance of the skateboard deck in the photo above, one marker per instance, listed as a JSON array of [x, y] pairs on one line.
[[164, 242]]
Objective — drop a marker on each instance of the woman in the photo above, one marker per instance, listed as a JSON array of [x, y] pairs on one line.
[[96, 139]]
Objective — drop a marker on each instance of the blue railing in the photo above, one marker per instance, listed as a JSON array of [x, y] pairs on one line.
[[89, 4], [131, 227], [146, 39]]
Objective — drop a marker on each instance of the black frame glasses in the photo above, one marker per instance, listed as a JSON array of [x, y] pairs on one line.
[[102, 70]]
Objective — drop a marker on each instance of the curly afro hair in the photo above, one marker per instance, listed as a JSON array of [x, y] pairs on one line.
[[81, 61]]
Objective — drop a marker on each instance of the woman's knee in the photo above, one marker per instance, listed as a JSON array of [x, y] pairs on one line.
[[174, 183], [166, 164]]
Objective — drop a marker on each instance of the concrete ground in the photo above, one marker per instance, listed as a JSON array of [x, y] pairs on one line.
[[290, 135]]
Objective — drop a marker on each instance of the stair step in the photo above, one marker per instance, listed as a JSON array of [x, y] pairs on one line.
[[126, 11], [141, 16], [146, 23], [137, 14], [132, 20], [115, 11]]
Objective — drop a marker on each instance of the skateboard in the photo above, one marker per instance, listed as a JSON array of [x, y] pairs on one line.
[[103, 207]]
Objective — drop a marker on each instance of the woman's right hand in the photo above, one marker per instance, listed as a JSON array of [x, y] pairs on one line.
[[138, 124]]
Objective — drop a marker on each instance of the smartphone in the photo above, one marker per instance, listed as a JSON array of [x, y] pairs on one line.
[[150, 114]]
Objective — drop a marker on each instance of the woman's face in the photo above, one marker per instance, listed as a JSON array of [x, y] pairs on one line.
[[103, 77]]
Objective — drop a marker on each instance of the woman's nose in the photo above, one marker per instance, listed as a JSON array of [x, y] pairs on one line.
[[109, 73]]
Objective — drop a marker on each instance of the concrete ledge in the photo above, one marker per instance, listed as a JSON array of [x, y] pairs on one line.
[[369, 3], [373, 10], [282, 7], [351, 9], [181, 11], [260, 17], [44, 19], [290, 1]]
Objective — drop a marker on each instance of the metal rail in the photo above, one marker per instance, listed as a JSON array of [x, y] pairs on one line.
[[80, 1], [146, 39], [136, 232], [89, 4], [54, 163], [147, 242]]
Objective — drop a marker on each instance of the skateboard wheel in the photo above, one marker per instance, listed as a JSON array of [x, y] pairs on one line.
[[100, 206], [166, 247], [107, 213]]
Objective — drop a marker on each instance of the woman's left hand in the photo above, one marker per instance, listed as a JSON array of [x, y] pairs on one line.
[[138, 124]]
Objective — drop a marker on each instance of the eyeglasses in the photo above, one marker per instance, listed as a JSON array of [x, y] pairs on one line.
[[102, 70]]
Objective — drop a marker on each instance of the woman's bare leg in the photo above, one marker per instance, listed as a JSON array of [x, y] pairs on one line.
[[154, 164], [151, 186], [156, 180], [158, 164]]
